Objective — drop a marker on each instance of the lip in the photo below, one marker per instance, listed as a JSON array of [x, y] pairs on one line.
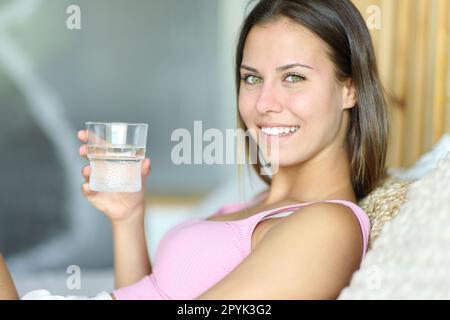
[[276, 125]]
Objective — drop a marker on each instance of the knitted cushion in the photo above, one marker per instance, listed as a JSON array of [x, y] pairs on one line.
[[410, 259], [383, 203]]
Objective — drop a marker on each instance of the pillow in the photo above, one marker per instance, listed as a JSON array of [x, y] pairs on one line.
[[426, 163], [383, 203], [410, 259]]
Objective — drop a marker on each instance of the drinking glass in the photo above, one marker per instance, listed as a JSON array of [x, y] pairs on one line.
[[115, 152]]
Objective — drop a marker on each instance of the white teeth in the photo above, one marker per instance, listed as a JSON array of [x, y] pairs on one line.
[[280, 131]]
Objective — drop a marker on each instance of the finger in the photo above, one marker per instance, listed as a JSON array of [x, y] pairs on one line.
[[82, 135], [86, 191], [93, 137], [146, 167], [83, 151], [86, 172]]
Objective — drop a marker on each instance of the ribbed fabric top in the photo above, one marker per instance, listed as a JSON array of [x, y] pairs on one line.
[[196, 254]]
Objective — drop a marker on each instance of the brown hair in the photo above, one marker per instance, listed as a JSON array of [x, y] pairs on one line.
[[340, 25]]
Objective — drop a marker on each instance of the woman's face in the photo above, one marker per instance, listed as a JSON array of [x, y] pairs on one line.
[[289, 83]]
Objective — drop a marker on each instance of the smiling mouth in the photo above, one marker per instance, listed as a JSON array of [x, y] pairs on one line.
[[279, 131]]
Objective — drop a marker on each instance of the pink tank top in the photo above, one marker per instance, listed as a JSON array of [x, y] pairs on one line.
[[196, 254]]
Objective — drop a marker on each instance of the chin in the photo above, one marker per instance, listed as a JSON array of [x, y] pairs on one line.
[[289, 160]]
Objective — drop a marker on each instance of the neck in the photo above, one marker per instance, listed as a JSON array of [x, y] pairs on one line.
[[327, 176]]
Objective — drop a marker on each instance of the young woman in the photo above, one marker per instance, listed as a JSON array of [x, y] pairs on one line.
[[306, 73]]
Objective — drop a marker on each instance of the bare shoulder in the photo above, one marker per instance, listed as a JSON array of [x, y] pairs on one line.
[[310, 254], [324, 217], [324, 220], [329, 215]]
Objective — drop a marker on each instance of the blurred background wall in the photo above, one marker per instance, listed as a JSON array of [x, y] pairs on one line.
[[166, 63], [163, 62]]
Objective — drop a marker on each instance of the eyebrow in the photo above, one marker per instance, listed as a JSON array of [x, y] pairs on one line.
[[279, 69]]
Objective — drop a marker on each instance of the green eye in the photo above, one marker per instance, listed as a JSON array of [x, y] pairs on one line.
[[252, 80], [295, 78]]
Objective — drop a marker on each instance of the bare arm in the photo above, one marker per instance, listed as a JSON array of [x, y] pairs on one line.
[[126, 212], [312, 254], [131, 260], [7, 288]]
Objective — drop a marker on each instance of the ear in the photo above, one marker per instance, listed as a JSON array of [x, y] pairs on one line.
[[349, 98]]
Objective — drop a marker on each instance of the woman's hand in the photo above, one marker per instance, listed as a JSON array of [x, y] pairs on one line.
[[119, 207], [7, 288]]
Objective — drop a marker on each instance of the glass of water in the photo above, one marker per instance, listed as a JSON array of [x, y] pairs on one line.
[[115, 152]]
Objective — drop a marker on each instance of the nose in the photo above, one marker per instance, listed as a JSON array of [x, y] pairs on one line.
[[267, 100]]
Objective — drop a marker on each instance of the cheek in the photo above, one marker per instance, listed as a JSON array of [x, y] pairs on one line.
[[246, 106], [317, 102], [317, 111], [302, 105]]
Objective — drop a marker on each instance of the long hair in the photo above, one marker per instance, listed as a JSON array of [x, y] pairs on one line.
[[340, 25]]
